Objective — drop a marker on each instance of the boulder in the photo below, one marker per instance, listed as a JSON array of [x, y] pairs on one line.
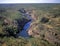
[[44, 20]]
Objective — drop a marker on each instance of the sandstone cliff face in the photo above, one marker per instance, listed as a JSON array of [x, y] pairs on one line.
[[33, 30]]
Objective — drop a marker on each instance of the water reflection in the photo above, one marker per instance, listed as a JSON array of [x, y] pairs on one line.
[[24, 33]]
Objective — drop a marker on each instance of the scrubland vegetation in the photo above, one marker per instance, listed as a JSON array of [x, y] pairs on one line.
[[45, 28]]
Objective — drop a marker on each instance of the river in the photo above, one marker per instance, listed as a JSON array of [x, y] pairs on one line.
[[24, 32]]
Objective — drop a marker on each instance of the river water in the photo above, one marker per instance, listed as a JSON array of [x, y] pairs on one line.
[[24, 32]]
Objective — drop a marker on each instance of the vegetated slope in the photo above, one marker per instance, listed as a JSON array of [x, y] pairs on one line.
[[44, 30]]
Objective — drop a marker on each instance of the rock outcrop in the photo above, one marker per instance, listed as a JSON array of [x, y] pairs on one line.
[[33, 30]]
